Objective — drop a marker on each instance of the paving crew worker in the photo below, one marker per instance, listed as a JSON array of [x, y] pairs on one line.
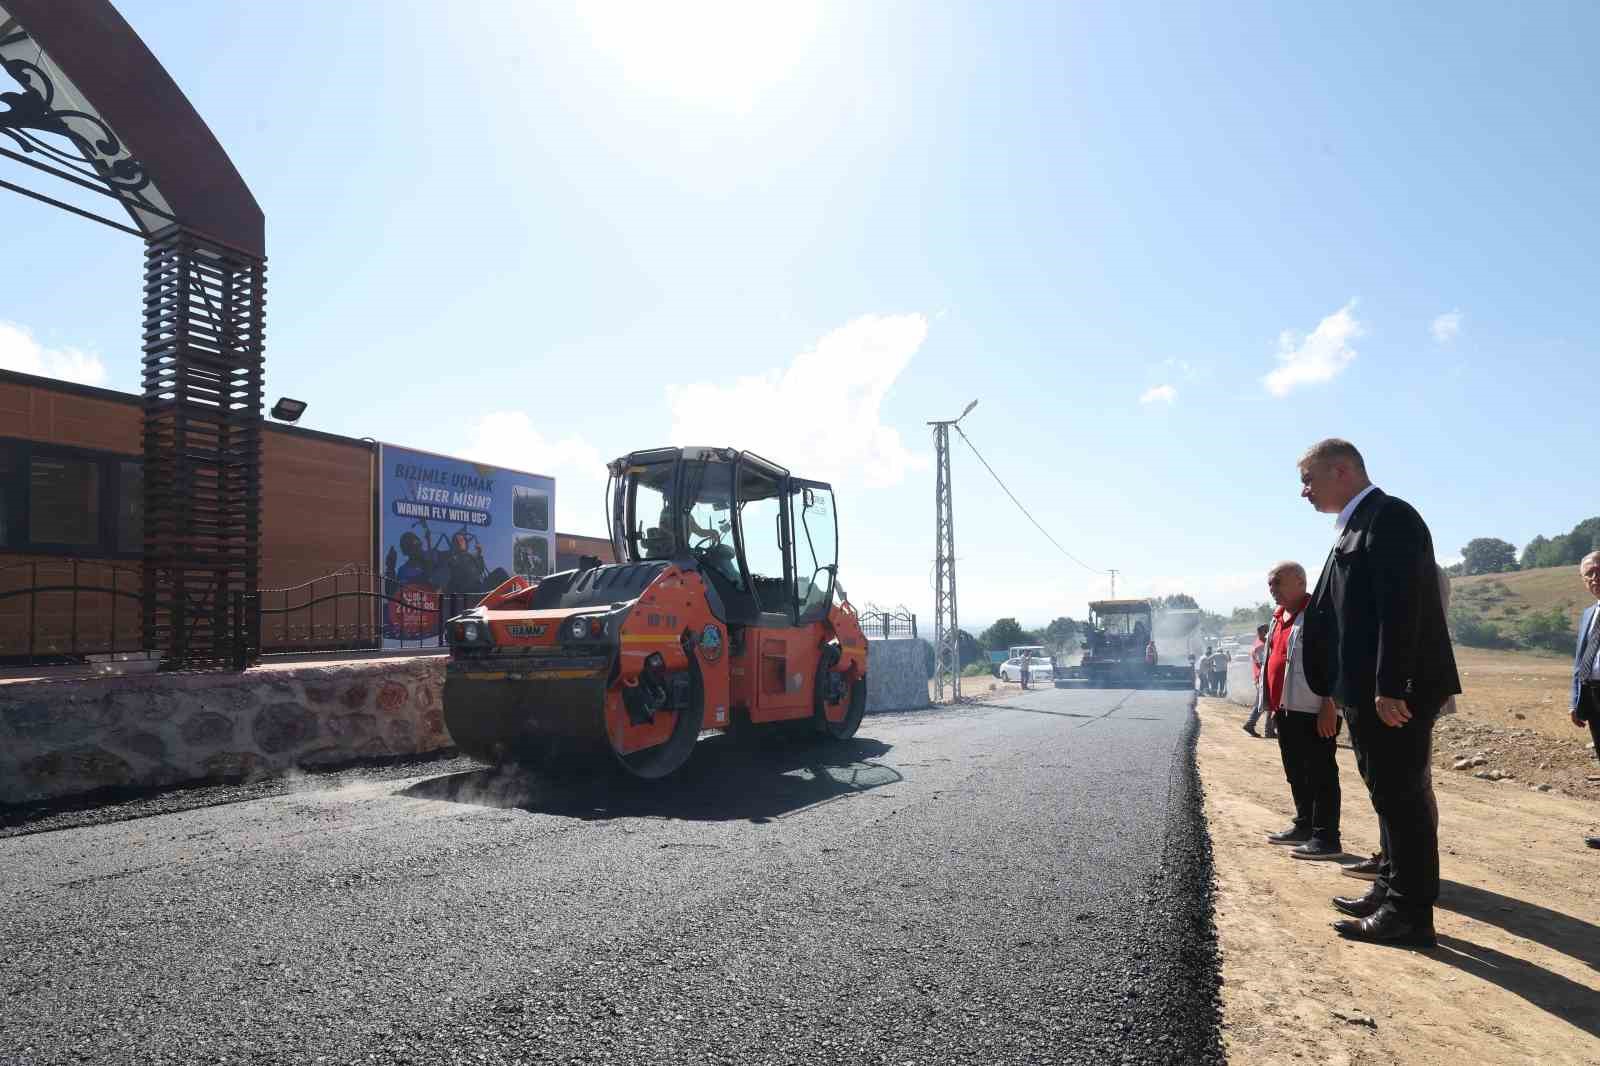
[[1219, 673], [1586, 663], [1258, 658], [1217, 659], [1202, 672], [1027, 658], [1376, 641], [1307, 724]]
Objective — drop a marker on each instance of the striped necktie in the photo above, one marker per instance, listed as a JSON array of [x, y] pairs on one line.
[[1591, 648]]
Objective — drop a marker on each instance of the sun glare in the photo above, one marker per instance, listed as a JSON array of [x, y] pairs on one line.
[[722, 54]]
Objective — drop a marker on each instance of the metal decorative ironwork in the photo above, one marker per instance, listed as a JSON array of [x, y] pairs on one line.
[[205, 309], [69, 142], [883, 624], [353, 608]]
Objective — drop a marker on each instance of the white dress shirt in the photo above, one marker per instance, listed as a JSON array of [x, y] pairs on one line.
[[1350, 509]]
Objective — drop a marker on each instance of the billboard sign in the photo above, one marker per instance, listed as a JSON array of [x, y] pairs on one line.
[[448, 527]]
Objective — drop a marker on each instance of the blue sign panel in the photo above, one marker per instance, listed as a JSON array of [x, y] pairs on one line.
[[448, 526]]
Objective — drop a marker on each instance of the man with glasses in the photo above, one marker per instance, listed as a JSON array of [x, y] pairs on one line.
[[1586, 663]]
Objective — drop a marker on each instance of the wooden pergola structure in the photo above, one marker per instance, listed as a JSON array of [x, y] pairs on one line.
[[94, 108]]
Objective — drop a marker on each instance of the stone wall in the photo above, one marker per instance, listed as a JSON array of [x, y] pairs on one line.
[[70, 736], [897, 675], [63, 737]]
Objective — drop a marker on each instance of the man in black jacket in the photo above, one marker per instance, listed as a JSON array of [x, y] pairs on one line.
[[1376, 642]]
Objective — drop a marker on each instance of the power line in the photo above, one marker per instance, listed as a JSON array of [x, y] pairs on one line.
[[1024, 510]]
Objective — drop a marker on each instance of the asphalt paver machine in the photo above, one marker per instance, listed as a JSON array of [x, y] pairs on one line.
[[723, 612], [1130, 643]]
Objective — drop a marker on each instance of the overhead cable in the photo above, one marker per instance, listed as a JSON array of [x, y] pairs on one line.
[[1023, 509]]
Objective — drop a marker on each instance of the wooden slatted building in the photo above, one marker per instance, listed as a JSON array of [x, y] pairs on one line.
[[71, 502]]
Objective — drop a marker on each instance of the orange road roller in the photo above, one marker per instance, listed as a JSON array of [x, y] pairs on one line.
[[723, 612]]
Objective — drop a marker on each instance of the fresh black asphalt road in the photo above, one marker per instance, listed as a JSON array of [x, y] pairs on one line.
[[1017, 881]]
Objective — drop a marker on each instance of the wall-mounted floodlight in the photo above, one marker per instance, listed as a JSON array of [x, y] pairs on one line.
[[287, 410]]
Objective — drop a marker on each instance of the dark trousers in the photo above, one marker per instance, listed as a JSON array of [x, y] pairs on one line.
[[1589, 708], [1219, 681], [1311, 765], [1392, 761]]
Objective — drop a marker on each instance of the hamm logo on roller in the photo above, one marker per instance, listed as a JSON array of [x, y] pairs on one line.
[[523, 629]]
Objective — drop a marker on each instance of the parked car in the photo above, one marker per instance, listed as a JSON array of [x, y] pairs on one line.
[[1040, 669]]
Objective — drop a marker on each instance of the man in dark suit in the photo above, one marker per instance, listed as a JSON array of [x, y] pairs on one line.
[[1376, 642], [1586, 663]]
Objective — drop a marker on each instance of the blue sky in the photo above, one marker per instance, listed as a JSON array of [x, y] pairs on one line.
[[544, 235]]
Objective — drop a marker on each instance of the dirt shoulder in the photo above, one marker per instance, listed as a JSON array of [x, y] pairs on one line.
[[1516, 976], [1514, 716]]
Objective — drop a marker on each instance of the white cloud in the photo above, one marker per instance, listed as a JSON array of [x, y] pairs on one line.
[[509, 439], [1160, 394], [19, 351], [1447, 327], [1318, 358], [821, 415]]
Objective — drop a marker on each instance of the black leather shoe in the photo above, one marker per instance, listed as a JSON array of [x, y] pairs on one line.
[[1593, 842], [1365, 870], [1318, 850], [1251, 730], [1292, 835], [1389, 927], [1361, 906]]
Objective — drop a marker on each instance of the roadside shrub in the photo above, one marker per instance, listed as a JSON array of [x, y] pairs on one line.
[[977, 670], [1548, 630], [1472, 629]]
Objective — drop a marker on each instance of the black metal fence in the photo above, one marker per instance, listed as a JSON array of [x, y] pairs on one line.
[[880, 624], [65, 612], [353, 609]]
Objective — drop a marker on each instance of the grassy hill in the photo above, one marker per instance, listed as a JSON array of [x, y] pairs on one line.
[[1531, 609], [1507, 598], [1508, 602]]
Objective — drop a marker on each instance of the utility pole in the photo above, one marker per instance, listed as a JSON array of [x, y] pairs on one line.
[[1113, 574], [946, 630]]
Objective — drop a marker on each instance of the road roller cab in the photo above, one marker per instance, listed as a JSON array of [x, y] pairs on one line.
[[722, 612]]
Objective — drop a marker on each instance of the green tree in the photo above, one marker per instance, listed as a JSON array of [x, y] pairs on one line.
[[1261, 612], [1178, 601], [968, 649], [1004, 634], [1531, 552], [1061, 631], [1567, 549], [1488, 555]]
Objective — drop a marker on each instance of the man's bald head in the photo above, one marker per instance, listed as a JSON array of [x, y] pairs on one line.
[[1290, 567], [1286, 583]]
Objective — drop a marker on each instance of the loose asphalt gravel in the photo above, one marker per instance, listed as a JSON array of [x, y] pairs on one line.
[[1020, 881]]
